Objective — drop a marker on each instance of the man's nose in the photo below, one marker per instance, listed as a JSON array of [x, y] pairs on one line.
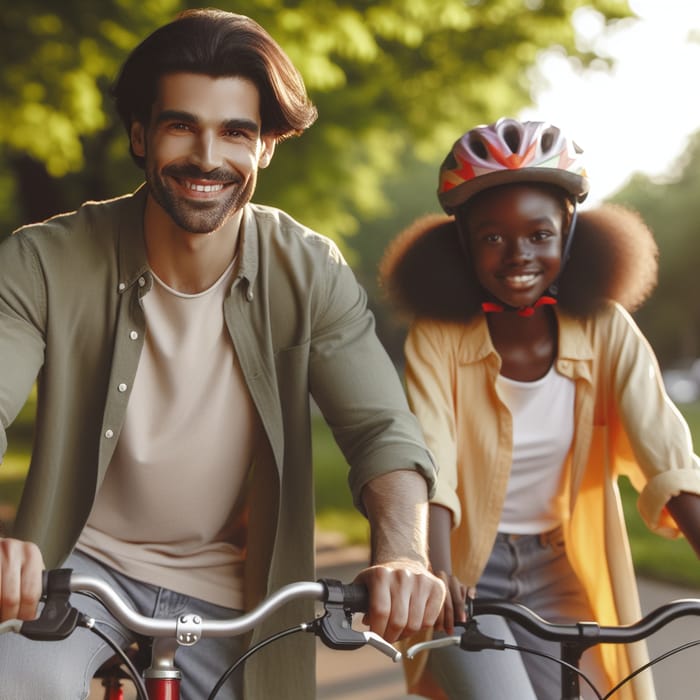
[[206, 154]]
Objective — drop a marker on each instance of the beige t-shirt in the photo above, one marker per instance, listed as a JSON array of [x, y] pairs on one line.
[[166, 510]]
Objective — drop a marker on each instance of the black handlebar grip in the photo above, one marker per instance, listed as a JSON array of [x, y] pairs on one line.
[[353, 597], [44, 582], [356, 597]]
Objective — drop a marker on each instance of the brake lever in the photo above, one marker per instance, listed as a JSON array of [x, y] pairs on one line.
[[335, 627], [58, 617]]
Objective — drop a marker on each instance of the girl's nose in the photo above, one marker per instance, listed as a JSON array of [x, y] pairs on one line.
[[519, 250]]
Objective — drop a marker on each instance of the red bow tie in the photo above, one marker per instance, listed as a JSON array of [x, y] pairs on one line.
[[493, 307]]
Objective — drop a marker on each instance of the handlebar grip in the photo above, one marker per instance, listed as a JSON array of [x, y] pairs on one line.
[[353, 597], [44, 582], [356, 597]]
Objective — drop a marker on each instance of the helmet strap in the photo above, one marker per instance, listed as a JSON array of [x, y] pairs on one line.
[[554, 287], [491, 307]]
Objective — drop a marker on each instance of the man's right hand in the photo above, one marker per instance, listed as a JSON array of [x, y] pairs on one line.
[[21, 566]]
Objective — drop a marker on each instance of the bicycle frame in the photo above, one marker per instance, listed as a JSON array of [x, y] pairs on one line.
[[161, 680]]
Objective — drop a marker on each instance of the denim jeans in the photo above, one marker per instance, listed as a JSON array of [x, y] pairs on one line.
[[31, 670], [532, 570]]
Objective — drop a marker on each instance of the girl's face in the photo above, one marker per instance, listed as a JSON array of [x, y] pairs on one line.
[[515, 238]]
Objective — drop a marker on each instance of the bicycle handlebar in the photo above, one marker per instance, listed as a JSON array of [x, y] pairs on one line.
[[59, 618], [584, 634]]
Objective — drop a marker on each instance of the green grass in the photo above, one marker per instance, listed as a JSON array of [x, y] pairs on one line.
[[670, 560], [334, 508]]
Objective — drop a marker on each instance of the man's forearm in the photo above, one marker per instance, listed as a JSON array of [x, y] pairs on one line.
[[397, 508]]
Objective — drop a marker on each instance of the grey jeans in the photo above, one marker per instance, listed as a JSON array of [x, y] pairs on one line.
[[532, 570], [31, 670]]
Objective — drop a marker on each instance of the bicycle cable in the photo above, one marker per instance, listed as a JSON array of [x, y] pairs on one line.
[[561, 662], [666, 655], [304, 626], [90, 624]]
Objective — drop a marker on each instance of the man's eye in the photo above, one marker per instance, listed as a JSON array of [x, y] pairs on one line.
[[238, 134]]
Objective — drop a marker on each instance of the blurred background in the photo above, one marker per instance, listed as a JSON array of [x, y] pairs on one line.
[[395, 82]]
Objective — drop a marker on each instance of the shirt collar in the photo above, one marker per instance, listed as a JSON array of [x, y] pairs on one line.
[[248, 250], [133, 263], [574, 345], [133, 260]]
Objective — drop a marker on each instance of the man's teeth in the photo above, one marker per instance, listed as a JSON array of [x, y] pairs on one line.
[[203, 188]]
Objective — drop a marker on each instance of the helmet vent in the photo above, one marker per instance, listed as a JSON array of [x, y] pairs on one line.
[[548, 139], [511, 136], [477, 147]]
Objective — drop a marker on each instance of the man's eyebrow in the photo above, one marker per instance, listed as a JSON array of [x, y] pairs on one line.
[[242, 125], [174, 115]]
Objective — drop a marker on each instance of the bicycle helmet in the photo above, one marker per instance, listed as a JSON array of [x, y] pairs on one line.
[[510, 151]]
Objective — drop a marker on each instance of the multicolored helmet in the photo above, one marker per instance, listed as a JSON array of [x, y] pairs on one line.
[[510, 151]]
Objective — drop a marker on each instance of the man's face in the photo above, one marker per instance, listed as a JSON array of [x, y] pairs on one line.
[[203, 148]]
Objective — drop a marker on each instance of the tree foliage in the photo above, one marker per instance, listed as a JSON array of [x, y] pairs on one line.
[[671, 318], [392, 79]]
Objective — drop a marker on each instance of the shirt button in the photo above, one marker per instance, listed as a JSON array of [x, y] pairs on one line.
[[122, 387], [122, 286], [109, 433], [249, 295], [142, 282], [133, 335]]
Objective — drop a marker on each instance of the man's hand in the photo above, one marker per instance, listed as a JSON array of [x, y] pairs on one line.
[[404, 597], [21, 565]]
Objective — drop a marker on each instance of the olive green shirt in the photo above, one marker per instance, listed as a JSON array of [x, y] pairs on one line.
[[71, 319]]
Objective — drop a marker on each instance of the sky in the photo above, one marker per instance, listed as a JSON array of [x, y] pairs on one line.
[[636, 117]]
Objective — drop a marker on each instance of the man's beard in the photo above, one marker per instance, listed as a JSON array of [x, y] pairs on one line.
[[196, 216]]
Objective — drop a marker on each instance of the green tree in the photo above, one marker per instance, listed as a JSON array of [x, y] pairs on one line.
[[394, 80], [671, 318]]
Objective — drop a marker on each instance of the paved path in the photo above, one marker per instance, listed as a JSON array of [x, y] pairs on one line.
[[365, 674]]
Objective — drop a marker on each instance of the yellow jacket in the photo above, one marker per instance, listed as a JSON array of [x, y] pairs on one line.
[[625, 424]]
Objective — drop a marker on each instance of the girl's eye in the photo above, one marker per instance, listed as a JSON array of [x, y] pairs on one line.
[[541, 235]]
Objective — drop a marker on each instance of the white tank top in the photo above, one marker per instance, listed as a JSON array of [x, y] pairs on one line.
[[543, 429]]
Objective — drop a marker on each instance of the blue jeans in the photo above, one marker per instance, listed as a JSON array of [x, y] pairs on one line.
[[532, 570], [32, 670]]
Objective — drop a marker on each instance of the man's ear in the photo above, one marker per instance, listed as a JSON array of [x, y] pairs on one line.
[[138, 139], [267, 150]]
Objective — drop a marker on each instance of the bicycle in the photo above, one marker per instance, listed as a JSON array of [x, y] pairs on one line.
[[161, 679], [574, 638]]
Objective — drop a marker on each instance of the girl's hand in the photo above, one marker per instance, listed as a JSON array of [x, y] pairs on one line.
[[454, 607]]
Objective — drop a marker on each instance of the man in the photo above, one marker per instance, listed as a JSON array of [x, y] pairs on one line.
[[177, 334]]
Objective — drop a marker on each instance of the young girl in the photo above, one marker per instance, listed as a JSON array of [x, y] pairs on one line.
[[535, 390]]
